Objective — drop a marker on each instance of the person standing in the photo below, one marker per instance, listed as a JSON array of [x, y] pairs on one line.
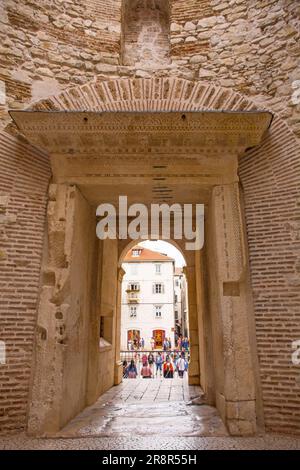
[[132, 370], [168, 369], [152, 343], [146, 372], [158, 363], [144, 359], [181, 366], [151, 362]]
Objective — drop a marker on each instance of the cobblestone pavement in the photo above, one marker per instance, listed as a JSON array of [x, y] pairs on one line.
[[148, 414]]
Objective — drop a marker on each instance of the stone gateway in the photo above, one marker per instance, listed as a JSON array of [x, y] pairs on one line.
[[178, 102]]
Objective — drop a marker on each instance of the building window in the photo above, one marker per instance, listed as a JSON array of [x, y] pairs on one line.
[[176, 315], [158, 288], [133, 286], [136, 252], [158, 268], [177, 283], [176, 298], [132, 311], [158, 309]]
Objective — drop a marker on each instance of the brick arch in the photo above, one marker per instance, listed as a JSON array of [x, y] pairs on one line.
[[146, 94]]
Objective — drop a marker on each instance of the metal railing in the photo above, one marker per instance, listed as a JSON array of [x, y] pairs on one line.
[[137, 356]]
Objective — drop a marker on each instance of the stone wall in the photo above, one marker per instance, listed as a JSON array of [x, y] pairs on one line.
[[271, 182], [24, 177], [250, 46], [62, 346], [146, 33], [48, 45]]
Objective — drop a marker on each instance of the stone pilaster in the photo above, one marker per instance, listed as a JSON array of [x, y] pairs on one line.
[[61, 356], [194, 368], [118, 371], [236, 396]]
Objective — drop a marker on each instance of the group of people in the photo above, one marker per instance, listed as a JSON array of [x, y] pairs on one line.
[[162, 364], [182, 343], [136, 344], [167, 345]]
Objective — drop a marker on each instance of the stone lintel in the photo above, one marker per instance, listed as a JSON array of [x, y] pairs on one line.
[[83, 132]]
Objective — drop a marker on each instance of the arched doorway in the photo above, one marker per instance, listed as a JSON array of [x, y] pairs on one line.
[[174, 95], [154, 299]]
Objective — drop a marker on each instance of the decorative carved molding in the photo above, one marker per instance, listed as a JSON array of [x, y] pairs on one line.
[[123, 132]]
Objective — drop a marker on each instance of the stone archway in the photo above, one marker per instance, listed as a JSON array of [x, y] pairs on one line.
[[197, 335], [276, 154]]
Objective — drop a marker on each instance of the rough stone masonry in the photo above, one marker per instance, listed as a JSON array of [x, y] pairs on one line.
[[113, 55]]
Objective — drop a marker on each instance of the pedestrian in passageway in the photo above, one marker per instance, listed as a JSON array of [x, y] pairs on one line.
[[158, 363], [132, 370], [168, 369], [181, 366], [151, 362], [146, 372], [144, 359]]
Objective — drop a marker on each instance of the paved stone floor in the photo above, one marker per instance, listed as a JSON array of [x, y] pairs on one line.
[[148, 414], [147, 407]]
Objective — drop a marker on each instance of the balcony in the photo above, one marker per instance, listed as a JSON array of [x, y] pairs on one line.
[[131, 289], [133, 297]]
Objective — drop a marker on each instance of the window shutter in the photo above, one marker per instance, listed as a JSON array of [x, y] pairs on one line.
[[162, 289], [153, 288]]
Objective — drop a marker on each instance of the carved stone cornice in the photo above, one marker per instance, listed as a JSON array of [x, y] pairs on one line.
[[136, 133]]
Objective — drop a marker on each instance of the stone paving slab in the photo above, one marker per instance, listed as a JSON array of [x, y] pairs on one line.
[[145, 407], [151, 407], [267, 442], [159, 418]]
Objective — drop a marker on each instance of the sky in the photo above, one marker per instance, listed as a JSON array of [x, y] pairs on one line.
[[167, 248]]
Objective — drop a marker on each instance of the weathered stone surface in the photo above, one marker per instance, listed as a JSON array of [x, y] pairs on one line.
[[250, 50]]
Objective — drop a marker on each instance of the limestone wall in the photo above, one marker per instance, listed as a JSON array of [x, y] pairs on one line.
[[47, 45], [249, 46], [146, 33]]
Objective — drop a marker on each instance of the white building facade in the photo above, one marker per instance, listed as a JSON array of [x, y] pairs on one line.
[[180, 303], [147, 308]]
